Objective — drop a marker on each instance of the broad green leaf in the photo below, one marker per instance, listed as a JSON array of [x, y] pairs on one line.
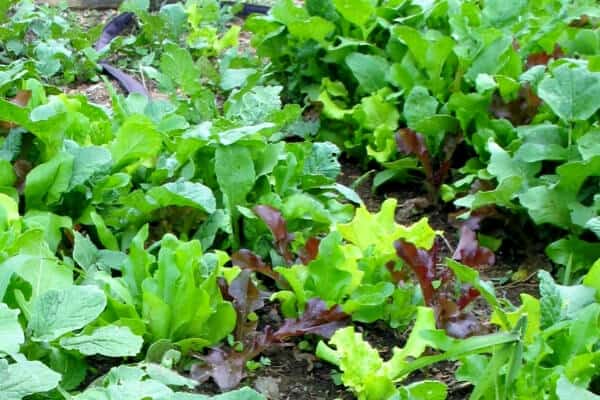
[[42, 272], [425, 390], [491, 59], [104, 234], [25, 378], [589, 144], [323, 160], [571, 92], [11, 334], [168, 376], [185, 194], [57, 312], [315, 28], [254, 106], [47, 182], [359, 12], [130, 390], [370, 71], [551, 302], [73, 368], [178, 65], [565, 390], [87, 162], [334, 273], [108, 341], [577, 253], [592, 278], [235, 173], [137, 139], [499, 13], [547, 205], [241, 394], [419, 105], [9, 207], [50, 223], [503, 166]]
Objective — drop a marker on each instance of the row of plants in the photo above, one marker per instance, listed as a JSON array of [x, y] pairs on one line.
[[490, 104], [155, 233]]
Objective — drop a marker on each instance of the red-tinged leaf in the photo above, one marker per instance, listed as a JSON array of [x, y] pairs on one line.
[[469, 252], [520, 111], [456, 323], [310, 251], [412, 143], [544, 58], [21, 99], [422, 263], [396, 276], [278, 227], [21, 168], [228, 367], [246, 299], [468, 296], [245, 259], [580, 22], [317, 319]]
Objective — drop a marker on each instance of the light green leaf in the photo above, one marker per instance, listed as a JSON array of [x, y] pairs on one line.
[[185, 194], [47, 182], [178, 64], [589, 144], [235, 173], [565, 390], [25, 378], [571, 92], [359, 12], [425, 390], [108, 341], [418, 106], [11, 334], [57, 312], [592, 278], [370, 71], [136, 140]]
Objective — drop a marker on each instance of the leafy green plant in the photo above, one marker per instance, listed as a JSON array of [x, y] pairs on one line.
[[559, 350], [550, 169], [355, 266], [468, 76], [370, 377]]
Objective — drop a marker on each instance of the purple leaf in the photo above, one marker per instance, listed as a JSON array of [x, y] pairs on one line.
[[317, 319], [278, 227]]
